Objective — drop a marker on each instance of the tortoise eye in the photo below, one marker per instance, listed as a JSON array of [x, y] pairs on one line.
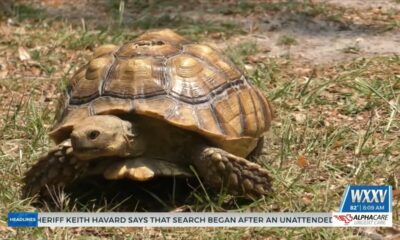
[[93, 134]]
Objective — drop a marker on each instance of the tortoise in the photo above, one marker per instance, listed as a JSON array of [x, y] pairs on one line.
[[158, 106]]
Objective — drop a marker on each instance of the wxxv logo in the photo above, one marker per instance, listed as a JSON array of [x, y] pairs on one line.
[[368, 196], [367, 199]]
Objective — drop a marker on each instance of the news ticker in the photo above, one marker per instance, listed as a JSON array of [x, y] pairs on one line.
[[362, 206], [127, 219]]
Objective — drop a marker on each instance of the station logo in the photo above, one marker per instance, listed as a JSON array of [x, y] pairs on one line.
[[364, 205], [346, 218]]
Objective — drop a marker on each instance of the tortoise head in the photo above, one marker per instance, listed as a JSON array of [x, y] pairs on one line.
[[105, 136]]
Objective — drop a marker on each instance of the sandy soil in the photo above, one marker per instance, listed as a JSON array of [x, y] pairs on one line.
[[318, 40], [366, 4]]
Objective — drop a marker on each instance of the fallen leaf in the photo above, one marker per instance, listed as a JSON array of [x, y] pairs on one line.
[[7, 229], [35, 71], [249, 67], [258, 58], [5, 30], [396, 193], [303, 71], [307, 198], [23, 54], [299, 117], [53, 3], [216, 35], [3, 68], [182, 208], [302, 162]]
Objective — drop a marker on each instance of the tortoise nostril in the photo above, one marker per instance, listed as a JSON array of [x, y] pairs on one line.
[[93, 134]]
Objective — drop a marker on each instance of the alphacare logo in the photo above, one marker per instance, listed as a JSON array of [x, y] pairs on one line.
[[363, 198], [346, 218]]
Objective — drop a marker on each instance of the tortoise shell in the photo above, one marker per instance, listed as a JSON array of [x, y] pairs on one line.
[[162, 75]]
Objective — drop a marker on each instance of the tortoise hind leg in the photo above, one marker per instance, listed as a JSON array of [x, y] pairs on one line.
[[238, 175], [56, 168]]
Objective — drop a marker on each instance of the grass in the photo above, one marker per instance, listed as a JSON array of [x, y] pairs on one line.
[[286, 40], [23, 12], [342, 118], [316, 10]]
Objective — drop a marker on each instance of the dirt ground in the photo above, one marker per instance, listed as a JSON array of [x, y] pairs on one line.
[[351, 28]]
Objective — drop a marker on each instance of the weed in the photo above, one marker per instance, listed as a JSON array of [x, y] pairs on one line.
[[287, 40]]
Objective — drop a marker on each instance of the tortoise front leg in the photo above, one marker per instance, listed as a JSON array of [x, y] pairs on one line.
[[239, 176], [56, 168]]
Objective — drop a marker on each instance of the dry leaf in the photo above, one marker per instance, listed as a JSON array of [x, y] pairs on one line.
[[7, 229], [35, 71], [53, 3], [23, 54], [216, 35], [396, 193], [303, 71], [302, 162], [249, 67], [5, 30], [307, 198], [3, 68], [258, 58], [182, 208], [299, 117]]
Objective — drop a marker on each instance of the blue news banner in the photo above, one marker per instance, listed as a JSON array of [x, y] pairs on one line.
[[23, 219], [362, 206], [359, 198]]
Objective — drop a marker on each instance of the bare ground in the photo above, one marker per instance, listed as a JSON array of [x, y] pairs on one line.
[[334, 31]]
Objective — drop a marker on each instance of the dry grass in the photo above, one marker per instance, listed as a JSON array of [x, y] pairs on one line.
[[335, 124]]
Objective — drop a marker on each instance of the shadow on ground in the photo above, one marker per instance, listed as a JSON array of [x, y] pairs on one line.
[[96, 193], [159, 195]]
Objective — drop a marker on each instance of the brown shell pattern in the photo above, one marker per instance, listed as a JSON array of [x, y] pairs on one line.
[[162, 75]]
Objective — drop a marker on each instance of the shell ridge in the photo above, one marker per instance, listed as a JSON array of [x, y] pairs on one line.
[[255, 110], [221, 90], [217, 118], [199, 119], [263, 107], [105, 79], [243, 125], [210, 64]]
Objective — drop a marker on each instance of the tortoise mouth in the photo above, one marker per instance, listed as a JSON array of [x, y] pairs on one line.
[[87, 153], [86, 149]]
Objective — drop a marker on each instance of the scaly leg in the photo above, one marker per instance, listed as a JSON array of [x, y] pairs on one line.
[[57, 168], [238, 175]]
